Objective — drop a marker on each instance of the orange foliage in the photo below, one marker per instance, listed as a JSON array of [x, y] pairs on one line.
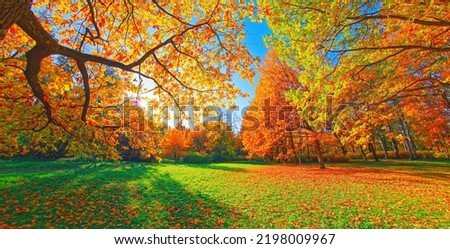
[[175, 144]]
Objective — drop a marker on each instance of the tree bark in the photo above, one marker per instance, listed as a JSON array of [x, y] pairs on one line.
[[307, 148], [374, 153], [297, 160], [409, 140], [11, 11], [363, 153], [341, 146], [319, 153], [383, 143], [394, 144]]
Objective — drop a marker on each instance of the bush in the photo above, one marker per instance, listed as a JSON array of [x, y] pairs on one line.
[[303, 157], [354, 155], [306, 158], [403, 154], [218, 158], [425, 154], [195, 157], [440, 155]]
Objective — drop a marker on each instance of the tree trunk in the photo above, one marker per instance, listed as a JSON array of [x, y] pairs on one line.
[[307, 148], [11, 11], [341, 146], [374, 153], [384, 147], [60, 151], [409, 140], [394, 144], [383, 143], [319, 153], [363, 153], [297, 160]]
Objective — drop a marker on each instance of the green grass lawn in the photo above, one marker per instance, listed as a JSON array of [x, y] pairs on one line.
[[73, 194]]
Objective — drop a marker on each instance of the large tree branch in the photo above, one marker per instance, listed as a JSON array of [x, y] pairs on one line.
[[405, 47], [439, 23], [34, 58], [87, 91], [11, 11], [377, 16], [47, 45]]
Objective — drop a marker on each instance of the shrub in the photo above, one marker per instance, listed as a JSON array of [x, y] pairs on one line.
[[441, 155], [354, 155], [425, 154], [308, 158], [218, 158], [195, 157], [403, 154]]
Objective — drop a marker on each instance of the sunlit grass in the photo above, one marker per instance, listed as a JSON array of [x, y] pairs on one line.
[[60, 194]]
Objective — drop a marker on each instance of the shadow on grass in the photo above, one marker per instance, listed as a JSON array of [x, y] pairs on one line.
[[77, 198], [170, 205], [104, 195], [22, 166]]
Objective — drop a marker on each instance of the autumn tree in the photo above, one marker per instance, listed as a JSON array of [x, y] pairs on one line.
[[362, 61], [175, 144], [220, 140], [66, 67], [273, 136], [198, 140]]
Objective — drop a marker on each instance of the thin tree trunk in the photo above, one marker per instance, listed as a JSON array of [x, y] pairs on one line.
[[297, 160], [319, 153], [61, 151], [383, 143], [374, 153], [394, 143], [363, 153], [307, 148], [341, 146], [409, 140]]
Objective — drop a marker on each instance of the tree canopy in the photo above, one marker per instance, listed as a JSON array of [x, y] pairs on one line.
[[77, 77], [67, 68]]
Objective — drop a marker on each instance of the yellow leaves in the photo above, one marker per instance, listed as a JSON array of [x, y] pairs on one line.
[[195, 59]]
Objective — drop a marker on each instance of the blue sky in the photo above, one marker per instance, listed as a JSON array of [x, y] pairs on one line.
[[254, 42]]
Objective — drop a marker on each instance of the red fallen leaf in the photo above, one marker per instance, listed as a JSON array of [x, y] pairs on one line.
[[6, 227], [220, 222]]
